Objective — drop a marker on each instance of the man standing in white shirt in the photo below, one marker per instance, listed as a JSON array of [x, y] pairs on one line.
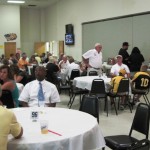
[[118, 66], [29, 95], [93, 59]]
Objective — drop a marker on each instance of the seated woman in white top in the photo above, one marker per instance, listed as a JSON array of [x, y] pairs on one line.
[[64, 62], [70, 67]]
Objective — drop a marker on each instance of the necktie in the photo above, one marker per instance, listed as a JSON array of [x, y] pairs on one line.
[[40, 95]]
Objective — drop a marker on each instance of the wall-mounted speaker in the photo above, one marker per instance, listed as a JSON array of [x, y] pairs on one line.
[[69, 28]]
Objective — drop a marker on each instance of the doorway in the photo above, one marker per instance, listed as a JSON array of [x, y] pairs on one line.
[[39, 47], [9, 48]]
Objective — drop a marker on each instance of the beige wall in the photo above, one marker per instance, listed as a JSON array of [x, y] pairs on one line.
[[49, 24], [79, 11], [9, 23], [30, 29]]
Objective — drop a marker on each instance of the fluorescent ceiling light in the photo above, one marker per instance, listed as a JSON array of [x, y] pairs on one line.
[[17, 2]]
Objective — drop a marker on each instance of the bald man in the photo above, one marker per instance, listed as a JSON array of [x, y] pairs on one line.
[[93, 59], [29, 96]]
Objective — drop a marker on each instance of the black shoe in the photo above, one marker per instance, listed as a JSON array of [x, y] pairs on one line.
[[121, 107], [132, 103]]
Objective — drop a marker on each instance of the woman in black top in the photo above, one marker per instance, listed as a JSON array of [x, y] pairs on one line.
[[52, 70], [135, 59], [19, 76]]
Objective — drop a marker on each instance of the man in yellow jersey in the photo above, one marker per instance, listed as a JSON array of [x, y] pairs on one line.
[[115, 84], [140, 82], [8, 125]]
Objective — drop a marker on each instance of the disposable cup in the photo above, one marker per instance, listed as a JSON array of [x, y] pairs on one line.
[[44, 126]]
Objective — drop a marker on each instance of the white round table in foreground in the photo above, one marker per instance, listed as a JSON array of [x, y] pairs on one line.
[[80, 131]]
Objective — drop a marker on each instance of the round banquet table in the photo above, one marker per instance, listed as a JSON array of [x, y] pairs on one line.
[[78, 130], [85, 82]]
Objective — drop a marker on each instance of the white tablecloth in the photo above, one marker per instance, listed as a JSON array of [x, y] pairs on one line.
[[80, 131], [85, 82], [20, 87]]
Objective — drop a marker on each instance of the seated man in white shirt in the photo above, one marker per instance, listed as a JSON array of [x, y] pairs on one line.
[[29, 95], [70, 67], [119, 65], [64, 62]]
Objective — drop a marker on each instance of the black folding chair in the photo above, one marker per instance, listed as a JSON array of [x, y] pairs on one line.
[[93, 73], [98, 89], [89, 104], [7, 99], [63, 87], [32, 76], [68, 85], [140, 124], [123, 90], [74, 73], [75, 91], [142, 85]]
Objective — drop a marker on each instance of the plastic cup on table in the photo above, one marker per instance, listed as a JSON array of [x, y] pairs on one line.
[[44, 126]]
